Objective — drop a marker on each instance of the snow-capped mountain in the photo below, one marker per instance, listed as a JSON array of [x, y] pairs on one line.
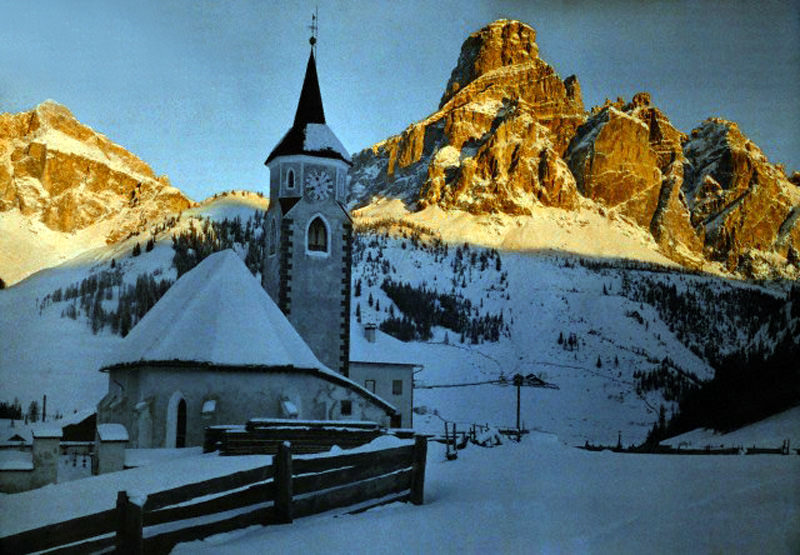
[[64, 189], [511, 139]]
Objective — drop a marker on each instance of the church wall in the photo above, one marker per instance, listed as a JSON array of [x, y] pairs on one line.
[[319, 285], [270, 275], [239, 396]]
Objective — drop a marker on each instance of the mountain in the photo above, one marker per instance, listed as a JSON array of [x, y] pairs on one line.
[[64, 188], [510, 138], [495, 143]]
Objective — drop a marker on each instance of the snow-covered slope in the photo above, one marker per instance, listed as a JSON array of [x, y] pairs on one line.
[[584, 231], [770, 432], [580, 323], [44, 352]]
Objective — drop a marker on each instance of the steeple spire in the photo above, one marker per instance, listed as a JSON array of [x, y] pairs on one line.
[[309, 135], [309, 108]]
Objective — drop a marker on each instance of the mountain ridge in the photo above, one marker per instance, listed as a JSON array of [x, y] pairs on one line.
[[65, 188], [510, 137]]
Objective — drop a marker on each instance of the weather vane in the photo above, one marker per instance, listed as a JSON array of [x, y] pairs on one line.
[[314, 28]]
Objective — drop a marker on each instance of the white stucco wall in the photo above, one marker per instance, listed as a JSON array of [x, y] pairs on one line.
[[239, 394], [384, 374]]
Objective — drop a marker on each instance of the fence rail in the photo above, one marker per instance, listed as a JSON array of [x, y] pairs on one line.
[[277, 493]]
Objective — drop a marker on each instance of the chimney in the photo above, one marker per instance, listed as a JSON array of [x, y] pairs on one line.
[[369, 332]]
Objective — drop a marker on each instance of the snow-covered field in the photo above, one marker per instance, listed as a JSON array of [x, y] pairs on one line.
[[535, 496], [542, 497]]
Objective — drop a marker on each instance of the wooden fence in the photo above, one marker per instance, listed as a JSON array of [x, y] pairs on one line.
[[263, 436], [272, 494]]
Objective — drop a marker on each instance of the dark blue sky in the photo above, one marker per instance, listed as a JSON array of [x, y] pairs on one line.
[[203, 90]]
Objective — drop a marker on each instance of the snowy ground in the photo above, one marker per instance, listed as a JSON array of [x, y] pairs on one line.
[[540, 496], [770, 432], [536, 496]]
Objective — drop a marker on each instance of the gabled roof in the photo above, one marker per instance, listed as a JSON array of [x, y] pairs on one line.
[[386, 349], [309, 134], [217, 313]]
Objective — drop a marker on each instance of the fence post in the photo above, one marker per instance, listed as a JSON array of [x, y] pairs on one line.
[[129, 526], [420, 456], [283, 483]]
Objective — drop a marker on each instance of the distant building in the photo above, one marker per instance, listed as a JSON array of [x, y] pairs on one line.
[[382, 364]]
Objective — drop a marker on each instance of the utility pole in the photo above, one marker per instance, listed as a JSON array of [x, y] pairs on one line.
[[518, 382]]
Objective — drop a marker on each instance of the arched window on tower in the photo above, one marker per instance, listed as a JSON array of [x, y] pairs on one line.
[[273, 237], [318, 236], [290, 179]]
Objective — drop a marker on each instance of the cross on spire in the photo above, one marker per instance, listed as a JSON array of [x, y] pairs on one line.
[[314, 28]]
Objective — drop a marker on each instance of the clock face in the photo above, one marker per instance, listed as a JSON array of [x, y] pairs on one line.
[[318, 185]]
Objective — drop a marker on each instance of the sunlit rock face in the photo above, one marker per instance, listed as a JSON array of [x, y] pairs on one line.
[[629, 158], [510, 136], [747, 206], [57, 170], [495, 143]]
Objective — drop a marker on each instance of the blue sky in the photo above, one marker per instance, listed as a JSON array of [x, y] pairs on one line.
[[203, 90]]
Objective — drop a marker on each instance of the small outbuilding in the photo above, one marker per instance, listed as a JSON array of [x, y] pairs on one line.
[[381, 363], [216, 350]]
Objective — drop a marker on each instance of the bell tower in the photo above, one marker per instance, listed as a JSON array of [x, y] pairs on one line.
[[309, 232]]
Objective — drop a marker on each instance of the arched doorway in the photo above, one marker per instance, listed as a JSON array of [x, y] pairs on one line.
[[176, 423], [180, 431]]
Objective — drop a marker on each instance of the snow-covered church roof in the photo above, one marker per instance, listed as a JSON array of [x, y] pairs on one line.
[[309, 133], [217, 313]]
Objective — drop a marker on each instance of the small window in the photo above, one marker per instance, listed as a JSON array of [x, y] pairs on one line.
[[370, 385], [347, 408], [317, 236], [397, 387], [290, 179], [273, 237]]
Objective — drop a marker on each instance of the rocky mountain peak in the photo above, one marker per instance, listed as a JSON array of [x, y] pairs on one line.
[[511, 137], [495, 144], [502, 43], [68, 176]]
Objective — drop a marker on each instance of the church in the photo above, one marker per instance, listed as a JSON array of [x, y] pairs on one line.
[[219, 348]]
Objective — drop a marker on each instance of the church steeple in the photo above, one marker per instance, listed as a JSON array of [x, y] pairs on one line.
[[309, 108], [309, 232]]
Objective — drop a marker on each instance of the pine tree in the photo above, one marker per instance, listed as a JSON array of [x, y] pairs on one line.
[[33, 412], [370, 300], [599, 363], [137, 250], [358, 312]]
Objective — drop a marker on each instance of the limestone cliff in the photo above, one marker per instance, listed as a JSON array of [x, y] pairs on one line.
[[748, 207], [495, 143], [510, 137], [629, 158], [63, 173]]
